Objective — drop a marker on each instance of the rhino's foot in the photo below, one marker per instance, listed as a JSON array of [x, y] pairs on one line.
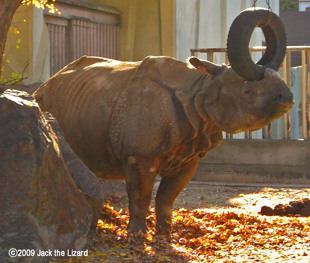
[[136, 228], [163, 229]]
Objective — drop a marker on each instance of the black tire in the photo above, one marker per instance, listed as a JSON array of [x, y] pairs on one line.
[[239, 37]]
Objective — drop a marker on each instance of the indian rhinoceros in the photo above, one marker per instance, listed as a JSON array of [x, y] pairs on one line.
[[134, 120]]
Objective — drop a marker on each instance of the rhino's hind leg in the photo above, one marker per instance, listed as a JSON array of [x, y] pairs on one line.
[[169, 189], [140, 178]]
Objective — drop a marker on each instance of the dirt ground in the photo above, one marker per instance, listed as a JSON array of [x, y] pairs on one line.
[[247, 199]]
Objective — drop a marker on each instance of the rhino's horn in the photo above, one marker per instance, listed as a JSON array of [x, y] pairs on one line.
[[210, 67]]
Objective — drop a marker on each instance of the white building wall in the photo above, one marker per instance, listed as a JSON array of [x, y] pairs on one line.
[[205, 24], [303, 5]]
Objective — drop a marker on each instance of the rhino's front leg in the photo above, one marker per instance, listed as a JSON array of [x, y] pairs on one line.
[[140, 178], [169, 189]]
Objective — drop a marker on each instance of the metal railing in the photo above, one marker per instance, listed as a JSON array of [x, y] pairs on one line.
[[304, 118]]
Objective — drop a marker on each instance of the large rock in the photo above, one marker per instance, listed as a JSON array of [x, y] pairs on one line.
[[41, 207], [94, 188]]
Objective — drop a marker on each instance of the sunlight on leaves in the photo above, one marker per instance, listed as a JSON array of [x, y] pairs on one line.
[[42, 4]]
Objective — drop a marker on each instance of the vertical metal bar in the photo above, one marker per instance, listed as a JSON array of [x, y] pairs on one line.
[[210, 56], [55, 48], [308, 94], [285, 80], [62, 47], [72, 41], [114, 42], [106, 43], [269, 131], [101, 40], [77, 39], [80, 39], [83, 39], [117, 42], [289, 82], [51, 47], [265, 132], [57, 53], [304, 128], [93, 40], [97, 40], [110, 42], [105, 40], [226, 58], [247, 134], [88, 36]]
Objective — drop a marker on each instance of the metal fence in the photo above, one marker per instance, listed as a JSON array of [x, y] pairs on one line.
[[301, 89]]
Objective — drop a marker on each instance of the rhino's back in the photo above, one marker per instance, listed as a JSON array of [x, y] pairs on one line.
[[82, 97]]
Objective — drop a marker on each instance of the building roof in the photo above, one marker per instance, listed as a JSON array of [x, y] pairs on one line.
[[91, 5]]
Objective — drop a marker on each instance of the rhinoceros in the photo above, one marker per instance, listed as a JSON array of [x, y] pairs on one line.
[[135, 120]]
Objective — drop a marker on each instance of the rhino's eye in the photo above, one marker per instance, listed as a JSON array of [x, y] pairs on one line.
[[247, 91]]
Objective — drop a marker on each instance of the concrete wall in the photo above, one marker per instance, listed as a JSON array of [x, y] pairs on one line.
[[147, 27], [257, 161]]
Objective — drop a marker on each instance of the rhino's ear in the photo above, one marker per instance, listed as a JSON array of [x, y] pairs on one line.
[[210, 67]]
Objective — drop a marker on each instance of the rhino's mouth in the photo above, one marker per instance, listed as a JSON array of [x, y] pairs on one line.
[[286, 105], [277, 109]]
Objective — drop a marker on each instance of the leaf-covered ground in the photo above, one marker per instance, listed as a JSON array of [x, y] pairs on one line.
[[226, 227]]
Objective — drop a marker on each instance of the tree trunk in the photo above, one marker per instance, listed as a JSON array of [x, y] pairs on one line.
[[7, 10]]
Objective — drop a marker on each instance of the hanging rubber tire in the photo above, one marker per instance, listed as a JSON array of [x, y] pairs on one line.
[[239, 37]]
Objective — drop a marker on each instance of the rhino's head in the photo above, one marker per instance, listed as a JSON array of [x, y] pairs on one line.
[[236, 104]]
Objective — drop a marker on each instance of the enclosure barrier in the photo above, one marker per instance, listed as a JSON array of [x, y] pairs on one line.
[[304, 107]]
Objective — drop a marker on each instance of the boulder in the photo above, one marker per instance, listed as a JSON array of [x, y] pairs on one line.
[[41, 206], [94, 188]]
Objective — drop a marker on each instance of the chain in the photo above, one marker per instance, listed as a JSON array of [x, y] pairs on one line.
[[267, 2]]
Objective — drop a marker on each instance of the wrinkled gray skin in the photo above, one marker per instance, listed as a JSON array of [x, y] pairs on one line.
[[133, 120]]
